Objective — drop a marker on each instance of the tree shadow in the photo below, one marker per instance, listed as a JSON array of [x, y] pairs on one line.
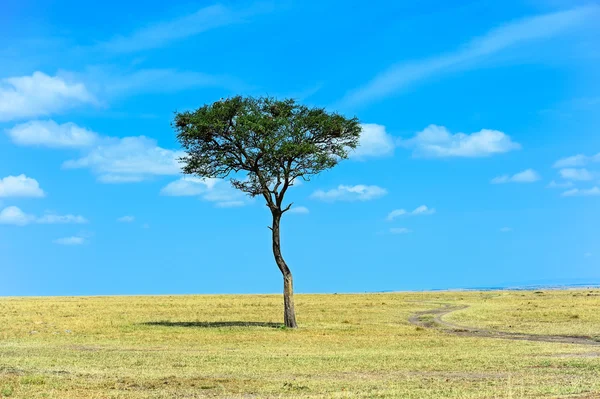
[[212, 324]]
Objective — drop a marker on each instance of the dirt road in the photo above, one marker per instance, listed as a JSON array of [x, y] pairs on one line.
[[433, 319]]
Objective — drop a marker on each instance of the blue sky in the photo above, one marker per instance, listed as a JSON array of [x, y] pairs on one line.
[[479, 163]]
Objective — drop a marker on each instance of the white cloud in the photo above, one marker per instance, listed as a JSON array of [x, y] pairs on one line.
[[117, 179], [74, 240], [506, 229], [421, 210], [52, 218], [576, 192], [576, 161], [213, 190], [162, 33], [126, 219], [576, 174], [437, 142], [501, 179], [358, 192], [374, 142], [396, 213], [299, 210], [39, 95], [554, 184], [400, 230], [224, 195], [469, 56], [20, 186], [128, 159], [51, 134], [587, 254], [15, 216], [230, 204], [114, 160], [526, 176], [188, 187]]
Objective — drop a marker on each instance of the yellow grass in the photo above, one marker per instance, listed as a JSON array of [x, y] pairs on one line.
[[347, 346]]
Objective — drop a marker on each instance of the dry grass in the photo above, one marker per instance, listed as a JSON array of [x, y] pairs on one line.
[[572, 312], [358, 346]]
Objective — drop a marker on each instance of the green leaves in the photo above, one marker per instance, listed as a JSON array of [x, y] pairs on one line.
[[272, 141]]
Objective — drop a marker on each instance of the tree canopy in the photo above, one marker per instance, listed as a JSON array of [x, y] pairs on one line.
[[271, 142]]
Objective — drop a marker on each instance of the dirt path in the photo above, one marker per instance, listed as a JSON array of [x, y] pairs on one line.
[[434, 319]]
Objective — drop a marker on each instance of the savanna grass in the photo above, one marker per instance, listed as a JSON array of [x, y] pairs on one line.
[[347, 346]]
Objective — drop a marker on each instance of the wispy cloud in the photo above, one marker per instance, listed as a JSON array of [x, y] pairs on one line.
[[126, 219], [514, 34], [13, 215], [109, 82], [160, 34], [217, 191], [73, 240], [421, 210], [53, 218], [526, 176], [555, 184], [230, 204], [579, 192], [359, 192], [302, 95], [302, 210], [576, 161], [188, 187], [400, 230], [576, 174], [437, 142]]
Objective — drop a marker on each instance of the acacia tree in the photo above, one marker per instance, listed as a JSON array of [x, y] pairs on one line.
[[263, 145]]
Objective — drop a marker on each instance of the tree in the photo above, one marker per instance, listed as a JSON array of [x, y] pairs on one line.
[[263, 145]]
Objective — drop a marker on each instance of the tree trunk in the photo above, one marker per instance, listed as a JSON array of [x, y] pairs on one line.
[[289, 313]]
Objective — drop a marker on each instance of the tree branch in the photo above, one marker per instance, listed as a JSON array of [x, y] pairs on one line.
[[286, 183]]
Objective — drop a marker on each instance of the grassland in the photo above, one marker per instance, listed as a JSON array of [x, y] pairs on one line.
[[347, 346]]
